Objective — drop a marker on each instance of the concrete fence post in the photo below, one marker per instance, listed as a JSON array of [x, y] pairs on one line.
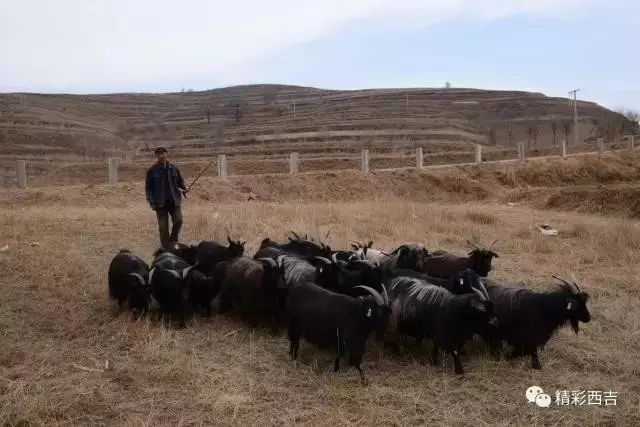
[[222, 166], [365, 160], [293, 163], [600, 146], [478, 153], [522, 151], [563, 149], [21, 173], [632, 142], [419, 158], [113, 170]]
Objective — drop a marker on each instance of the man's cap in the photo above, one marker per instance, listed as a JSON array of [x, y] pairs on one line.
[[160, 148]]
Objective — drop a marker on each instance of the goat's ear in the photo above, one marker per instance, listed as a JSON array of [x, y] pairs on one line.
[[493, 254], [229, 240]]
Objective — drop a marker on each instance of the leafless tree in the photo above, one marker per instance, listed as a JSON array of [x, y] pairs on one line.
[[237, 107], [554, 131], [594, 126], [492, 135], [632, 125], [532, 133], [510, 133]]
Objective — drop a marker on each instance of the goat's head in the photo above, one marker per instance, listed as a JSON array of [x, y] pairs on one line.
[[379, 311], [481, 258], [412, 256], [575, 304], [273, 273], [235, 248], [139, 292]]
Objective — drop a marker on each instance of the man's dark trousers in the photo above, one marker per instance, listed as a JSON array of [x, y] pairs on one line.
[[163, 214]]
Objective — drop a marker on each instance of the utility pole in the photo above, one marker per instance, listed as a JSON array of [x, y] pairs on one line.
[[575, 114]]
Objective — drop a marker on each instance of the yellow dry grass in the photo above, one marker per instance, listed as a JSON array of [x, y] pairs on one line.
[[58, 327]]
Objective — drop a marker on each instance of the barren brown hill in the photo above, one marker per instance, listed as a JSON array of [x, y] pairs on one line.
[[266, 122]]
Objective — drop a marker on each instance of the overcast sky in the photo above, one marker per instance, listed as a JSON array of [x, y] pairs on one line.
[[550, 46]]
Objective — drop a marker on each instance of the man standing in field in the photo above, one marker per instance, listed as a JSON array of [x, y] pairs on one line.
[[165, 189]]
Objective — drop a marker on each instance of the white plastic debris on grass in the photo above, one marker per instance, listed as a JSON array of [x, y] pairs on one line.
[[547, 230]]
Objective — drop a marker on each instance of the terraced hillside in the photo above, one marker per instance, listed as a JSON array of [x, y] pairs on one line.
[[266, 122]]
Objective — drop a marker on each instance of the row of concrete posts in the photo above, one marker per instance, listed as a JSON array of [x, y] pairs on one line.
[[294, 160]]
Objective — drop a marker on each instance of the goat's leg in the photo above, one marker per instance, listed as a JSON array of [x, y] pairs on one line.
[[535, 362], [435, 355], [456, 362], [363, 379]]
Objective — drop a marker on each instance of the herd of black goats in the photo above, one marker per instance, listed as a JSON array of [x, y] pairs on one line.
[[336, 299]]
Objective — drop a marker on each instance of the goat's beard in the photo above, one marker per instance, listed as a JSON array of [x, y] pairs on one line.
[[575, 326]]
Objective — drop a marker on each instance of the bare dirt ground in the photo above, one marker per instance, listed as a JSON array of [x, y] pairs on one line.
[[58, 328]]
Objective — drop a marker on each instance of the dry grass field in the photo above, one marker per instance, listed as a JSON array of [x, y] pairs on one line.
[[58, 328]]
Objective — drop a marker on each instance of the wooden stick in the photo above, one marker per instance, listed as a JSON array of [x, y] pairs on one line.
[[199, 175]]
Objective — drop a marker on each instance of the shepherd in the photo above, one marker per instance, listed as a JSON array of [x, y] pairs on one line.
[[165, 189]]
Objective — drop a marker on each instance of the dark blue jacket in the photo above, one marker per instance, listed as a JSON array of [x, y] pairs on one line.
[[162, 186]]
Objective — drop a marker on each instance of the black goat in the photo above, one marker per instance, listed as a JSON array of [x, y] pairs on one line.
[[253, 287], [422, 310], [189, 253], [462, 282], [445, 264], [169, 261], [527, 319], [296, 246], [170, 291], [128, 281], [328, 319], [210, 253], [410, 256], [202, 288]]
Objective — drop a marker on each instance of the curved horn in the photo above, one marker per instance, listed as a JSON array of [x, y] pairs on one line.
[[473, 245], [139, 277], [272, 263], [295, 234], [323, 259], [229, 240], [396, 250], [375, 294], [334, 257], [493, 243], [575, 282], [385, 295], [479, 292], [280, 260], [175, 274], [151, 274], [572, 287], [484, 289], [186, 271]]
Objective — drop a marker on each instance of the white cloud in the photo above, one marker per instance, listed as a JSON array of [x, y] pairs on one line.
[[81, 45]]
